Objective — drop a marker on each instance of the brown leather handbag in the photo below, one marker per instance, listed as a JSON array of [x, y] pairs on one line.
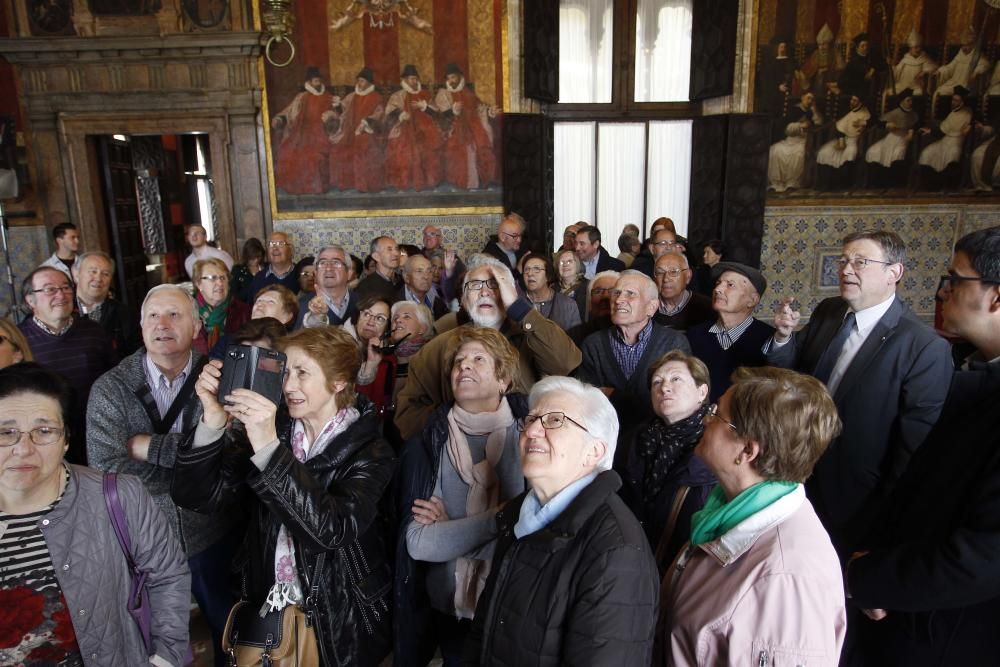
[[283, 638]]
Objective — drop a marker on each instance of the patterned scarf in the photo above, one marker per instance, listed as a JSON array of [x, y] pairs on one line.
[[213, 318], [484, 487], [410, 346], [287, 589], [662, 446]]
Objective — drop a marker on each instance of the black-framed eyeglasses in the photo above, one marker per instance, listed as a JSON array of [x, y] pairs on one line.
[[478, 285], [551, 420], [951, 278], [859, 263], [52, 290], [713, 413], [40, 435]]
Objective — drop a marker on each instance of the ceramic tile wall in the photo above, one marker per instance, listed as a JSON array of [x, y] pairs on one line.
[[796, 239], [29, 247]]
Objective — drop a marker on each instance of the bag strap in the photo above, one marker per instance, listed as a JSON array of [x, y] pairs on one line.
[[680, 495], [118, 517], [161, 425]]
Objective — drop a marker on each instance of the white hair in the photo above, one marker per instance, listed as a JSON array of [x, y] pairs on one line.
[[164, 288], [593, 410], [422, 313], [480, 260], [682, 256], [651, 291], [590, 287]]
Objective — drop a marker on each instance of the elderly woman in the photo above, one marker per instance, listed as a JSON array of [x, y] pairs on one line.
[[571, 279], [760, 582], [412, 325], [64, 581], [664, 482], [573, 581], [539, 277], [315, 470], [221, 312], [13, 347], [456, 475]]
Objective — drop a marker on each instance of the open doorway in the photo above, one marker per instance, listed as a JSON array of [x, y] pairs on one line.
[[148, 189]]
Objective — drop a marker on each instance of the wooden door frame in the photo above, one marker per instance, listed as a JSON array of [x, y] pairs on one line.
[[87, 212]]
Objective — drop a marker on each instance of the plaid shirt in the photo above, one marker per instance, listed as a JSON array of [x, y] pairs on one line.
[[627, 355]]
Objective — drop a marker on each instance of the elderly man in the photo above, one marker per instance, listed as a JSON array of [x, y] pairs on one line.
[[139, 413], [618, 358], [452, 264], [663, 240], [680, 308], [594, 257], [280, 269], [929, 562], [418, 285], [198, 240], [67, 241], [333, 302], [506, 247], [569, 237], [736, 338], [383, 281], [489, 299], [887, 371], [93, 273], [76, 348]]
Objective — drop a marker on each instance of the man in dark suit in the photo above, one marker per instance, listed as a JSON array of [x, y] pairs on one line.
[[93, 273], [594, 257], [929, 574], [333, 303], [506, 247], [887, 371]]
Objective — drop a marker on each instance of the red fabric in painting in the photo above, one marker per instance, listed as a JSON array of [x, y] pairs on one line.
[[314, 49], [451, 29], [382, 50], [356, 157], [828, 12], [303, 153], [413, 151], [468, 146]]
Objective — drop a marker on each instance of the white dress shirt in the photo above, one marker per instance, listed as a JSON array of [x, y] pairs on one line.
[[865, 321]]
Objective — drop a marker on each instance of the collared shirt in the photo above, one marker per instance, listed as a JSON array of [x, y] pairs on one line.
[[666, 310], [49, 330], [865, 321], [338, 306], [728, 337], [279, 276], [627, 355], [590, 266], [93, 312], [534, 515], [428, 299], [164, 390]]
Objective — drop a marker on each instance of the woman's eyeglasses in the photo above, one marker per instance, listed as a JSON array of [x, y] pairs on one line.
[[378, 317], [551, 420], [40, 435]]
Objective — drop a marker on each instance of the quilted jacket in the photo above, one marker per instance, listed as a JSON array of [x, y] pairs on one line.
[[94, 576], [581, 591], [330, 504]]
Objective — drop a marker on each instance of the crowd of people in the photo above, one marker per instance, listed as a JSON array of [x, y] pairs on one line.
[[516, 458]]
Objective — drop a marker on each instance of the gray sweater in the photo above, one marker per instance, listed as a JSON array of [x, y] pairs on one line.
[[443, 542], [115, 414]]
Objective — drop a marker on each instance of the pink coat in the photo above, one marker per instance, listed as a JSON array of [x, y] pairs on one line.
[[768, 592]]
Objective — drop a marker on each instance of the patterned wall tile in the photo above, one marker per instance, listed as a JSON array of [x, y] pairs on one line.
[[29, 247], [467, 234], [797, 240]]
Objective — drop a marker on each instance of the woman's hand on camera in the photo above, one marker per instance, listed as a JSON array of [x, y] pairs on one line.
[[429, 511], [257, 415], [207, 388]]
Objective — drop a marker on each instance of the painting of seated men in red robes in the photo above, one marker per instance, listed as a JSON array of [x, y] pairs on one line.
[[390, 111]]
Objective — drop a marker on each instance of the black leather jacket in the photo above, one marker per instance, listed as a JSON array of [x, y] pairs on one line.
[[330, 503]]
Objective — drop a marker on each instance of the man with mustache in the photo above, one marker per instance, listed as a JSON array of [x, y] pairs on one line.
[[139, 413], [76, 348], [489, 299]]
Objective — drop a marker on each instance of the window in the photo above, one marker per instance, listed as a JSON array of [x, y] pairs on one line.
[[623, 133]]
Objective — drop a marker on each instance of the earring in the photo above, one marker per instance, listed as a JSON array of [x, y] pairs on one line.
[[739, 460]]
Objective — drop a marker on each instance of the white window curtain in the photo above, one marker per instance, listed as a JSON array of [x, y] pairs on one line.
[[621, 160], [574, 175], [585, 46], [668, 183], [662, 50]]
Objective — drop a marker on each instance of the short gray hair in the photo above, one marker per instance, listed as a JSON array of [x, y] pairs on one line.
[[164, 288], [422, 312], [680, 255], [596, 413], [338, 248], [480, 260], [515, 218], [95, 253], [652, 292]]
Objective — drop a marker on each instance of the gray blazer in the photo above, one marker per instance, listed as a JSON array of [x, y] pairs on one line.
[[889, 398], [94, 577], [115, 414]]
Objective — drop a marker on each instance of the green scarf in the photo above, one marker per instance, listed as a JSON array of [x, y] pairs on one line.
[[718, 517], [213, 318]]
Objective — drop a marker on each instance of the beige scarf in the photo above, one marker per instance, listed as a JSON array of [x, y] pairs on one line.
[[484, 488]]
